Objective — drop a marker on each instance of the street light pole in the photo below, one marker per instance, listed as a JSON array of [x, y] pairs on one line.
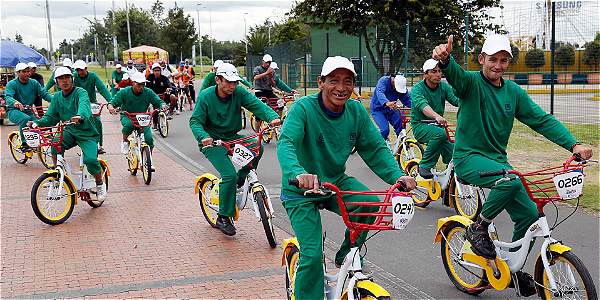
[[199, 37], [212, 58], [50, 34], [246, 34], [128, 29], [114, 35]]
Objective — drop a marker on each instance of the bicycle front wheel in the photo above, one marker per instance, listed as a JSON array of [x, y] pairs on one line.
[[209, 204], [465, 278], [45, 156], [266, 218], [52, 202], [14, 142], [364, 294], [572, 278], [291, 258], [132, 161], [255, 123], [163, 125], [146, 165], [409, 150]]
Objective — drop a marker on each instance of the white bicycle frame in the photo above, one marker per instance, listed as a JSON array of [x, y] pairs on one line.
[[83, 180], [252, 184], [138, 140], [351, 263]]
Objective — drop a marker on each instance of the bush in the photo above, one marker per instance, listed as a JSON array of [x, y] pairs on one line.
[[591, 54], [565, 55], [534, 58]]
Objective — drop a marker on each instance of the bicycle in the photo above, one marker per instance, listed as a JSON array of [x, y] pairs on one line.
[[473, 274], [242, 150], [55, 193], [279, 105], [405, 148], [350, 281], [464, 198], [139, 155], [182, 97], [163, 120], [15, 142]]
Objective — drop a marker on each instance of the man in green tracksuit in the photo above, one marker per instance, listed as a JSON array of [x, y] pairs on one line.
[[429, 98], [217, 117], [20, 92], [489, 104], [116, 77], [72, 104], [135, 99], [209, 80], [316, 140], [89, 81]]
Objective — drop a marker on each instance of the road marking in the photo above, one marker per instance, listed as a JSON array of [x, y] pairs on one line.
[[158, 284]]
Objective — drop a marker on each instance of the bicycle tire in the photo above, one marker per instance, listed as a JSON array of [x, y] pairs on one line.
[[291, 258], [163, 125], [265, 217], [420, 195], [463, 204], [364, 294], [255, 123], [40, 210], [402, 157], [45, 157], [475, 287], [98, 203], [243, 113], [14, 141], [205, 199], [146, 164], [132, 161], [571, 259]]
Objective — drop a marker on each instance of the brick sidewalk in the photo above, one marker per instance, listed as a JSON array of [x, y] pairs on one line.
[[144, 242]]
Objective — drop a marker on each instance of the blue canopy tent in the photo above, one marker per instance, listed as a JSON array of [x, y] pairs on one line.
[[12, 53]]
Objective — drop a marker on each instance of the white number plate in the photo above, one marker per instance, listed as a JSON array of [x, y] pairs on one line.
[[143, 120], [241, 155], [403, 211], [280, 103], [569, 185], [95, 108], [32, 138]]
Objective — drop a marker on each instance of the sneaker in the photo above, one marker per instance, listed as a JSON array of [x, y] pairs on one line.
[[101, 192], [124, 147], [425, 173], [226, 226], [101, 150], [169, 117], [24, 147], [177, 112], [481, 244], [526, 284]]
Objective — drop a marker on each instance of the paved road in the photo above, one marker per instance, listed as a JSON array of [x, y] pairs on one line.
[[408, 260]]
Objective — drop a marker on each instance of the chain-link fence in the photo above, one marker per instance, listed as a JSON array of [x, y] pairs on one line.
[[556, 51]]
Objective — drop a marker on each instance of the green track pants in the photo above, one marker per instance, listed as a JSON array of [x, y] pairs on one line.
[[89, 150], [128, 129], [437, 144], [21, 118]]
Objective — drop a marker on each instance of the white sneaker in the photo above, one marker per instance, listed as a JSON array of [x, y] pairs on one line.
[[124, 147], [101, 192], [177, 112]]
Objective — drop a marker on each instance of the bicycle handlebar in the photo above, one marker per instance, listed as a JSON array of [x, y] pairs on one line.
[[493, 173]]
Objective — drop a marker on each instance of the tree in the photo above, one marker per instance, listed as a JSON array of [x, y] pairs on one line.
[[258, 39], [591, 54], [157, 11], [143, 28], [291, 30], [178, 34], [565, 55], [382, 24], [18, 38], [534, 58]]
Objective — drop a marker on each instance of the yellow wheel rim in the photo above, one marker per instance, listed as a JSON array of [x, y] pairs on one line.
[[54, 208], [14, 142], [214, 200], [561, 268], [449, 254]]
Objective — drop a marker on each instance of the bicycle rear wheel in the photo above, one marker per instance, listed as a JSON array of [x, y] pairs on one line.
[[49, 205], [14, 142], [467, 279], [409, 150], [572, 277], [146, 164], [45, 156], [266, 218]]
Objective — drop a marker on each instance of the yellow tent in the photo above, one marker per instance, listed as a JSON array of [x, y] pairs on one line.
[[145, 55]]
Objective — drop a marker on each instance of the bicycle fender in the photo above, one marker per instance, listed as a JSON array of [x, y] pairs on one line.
[[375, 289], [445, 222], [287, 245], [202, 178], [105, 165], [558, 248]]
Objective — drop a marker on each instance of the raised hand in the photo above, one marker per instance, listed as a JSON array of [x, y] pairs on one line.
[[442, 51]]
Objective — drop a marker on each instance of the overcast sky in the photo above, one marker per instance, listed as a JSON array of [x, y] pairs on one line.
[[576, 24], [67, 17]]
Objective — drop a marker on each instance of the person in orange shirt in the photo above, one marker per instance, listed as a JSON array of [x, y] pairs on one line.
[[185, 73]]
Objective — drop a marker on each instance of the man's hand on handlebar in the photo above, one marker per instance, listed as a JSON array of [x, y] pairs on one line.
[[440, 120], [407, 182], [207, 141], [111, 109], [76, 119], [308, 181], [275, 122], [31, 124], [583, 151]]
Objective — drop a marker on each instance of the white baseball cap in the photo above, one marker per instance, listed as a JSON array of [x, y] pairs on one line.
[[337, 62], [267, 58], [155, 65], [79, 64], [32, 65], [217, 63], [429, 64], [67, 62], [126, 76], [138, 77], [228, 71], [274, 66], [118, 66], [61, 71], [21, 67], [400, 83], [496, 43]]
